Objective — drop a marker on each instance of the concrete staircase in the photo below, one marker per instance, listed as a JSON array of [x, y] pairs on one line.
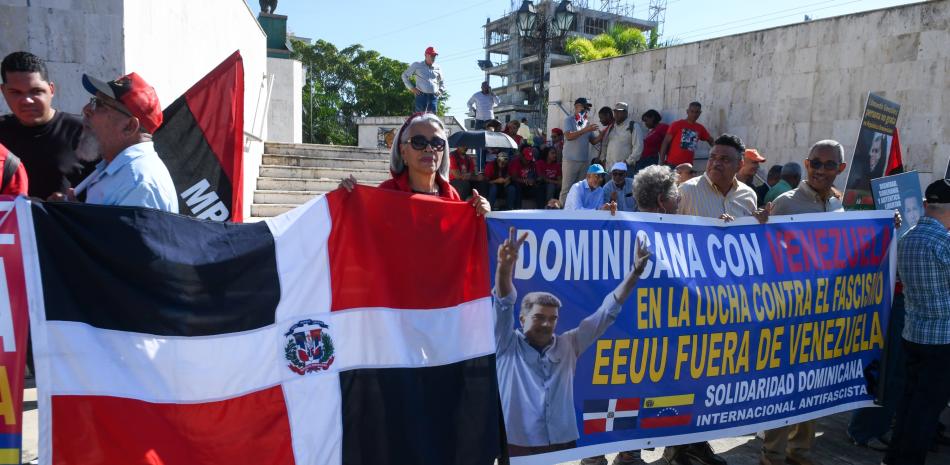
[[292, 174]]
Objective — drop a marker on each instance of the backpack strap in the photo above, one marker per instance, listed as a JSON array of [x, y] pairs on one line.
[[10, 165]]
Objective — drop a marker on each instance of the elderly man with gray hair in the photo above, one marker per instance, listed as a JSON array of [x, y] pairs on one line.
[[535, 366], [793, 443]]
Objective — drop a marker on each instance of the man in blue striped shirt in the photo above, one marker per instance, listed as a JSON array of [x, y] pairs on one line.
[[923, 262], [587, 194]]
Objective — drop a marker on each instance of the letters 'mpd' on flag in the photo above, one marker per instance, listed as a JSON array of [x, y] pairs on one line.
[[331, 334], [200, 142]]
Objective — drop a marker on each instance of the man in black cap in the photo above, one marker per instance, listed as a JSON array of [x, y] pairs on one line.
[[923, 262], [578, 135]]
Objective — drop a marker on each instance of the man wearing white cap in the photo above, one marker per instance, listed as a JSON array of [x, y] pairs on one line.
[[620, 188], [624, 142]]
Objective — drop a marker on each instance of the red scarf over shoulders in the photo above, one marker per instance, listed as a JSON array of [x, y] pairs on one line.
[[400, 182]]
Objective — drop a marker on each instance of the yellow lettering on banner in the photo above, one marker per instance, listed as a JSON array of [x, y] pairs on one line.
[[877, 338], [6, 400], [600, 361], [619, 360], [648, 315], [681, 355], [762, 354], [683, 318], [714, 353], [776, 347], [838, 298]]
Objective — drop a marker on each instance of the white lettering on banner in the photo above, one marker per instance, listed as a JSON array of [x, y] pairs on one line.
[[206, 205], [6, 312], [591, 255]]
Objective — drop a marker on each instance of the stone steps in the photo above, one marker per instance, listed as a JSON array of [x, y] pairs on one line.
[[325, 162], [293, 174], [325, 151], [269, 210]]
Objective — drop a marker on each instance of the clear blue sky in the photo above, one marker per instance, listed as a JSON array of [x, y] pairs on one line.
[[402, 30]]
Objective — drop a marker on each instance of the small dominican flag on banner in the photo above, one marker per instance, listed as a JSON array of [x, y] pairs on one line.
[[602, 415]]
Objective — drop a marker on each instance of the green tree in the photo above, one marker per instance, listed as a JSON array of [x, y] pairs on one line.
[[345, 84], [619, 40]]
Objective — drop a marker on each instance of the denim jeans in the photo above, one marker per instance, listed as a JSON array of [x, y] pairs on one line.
[[873, 422], [926, 391], [511, 195], [426, 103]]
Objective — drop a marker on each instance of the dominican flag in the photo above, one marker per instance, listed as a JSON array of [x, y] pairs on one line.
[[201, 142], [602, 415], [356, 329]]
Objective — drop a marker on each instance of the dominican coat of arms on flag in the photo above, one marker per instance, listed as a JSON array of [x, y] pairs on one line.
[[356, 329]]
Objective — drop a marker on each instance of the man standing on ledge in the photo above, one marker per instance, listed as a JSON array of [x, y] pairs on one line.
[[121, 117], [429, 85], [483, 104], [682, 138], [536, 366]]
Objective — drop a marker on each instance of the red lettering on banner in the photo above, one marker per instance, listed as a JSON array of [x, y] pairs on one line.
[[828, 248]]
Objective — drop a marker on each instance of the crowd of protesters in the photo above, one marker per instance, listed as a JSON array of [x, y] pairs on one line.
[[619, 163]]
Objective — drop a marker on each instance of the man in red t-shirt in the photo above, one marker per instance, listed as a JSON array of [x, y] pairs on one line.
[[549, 174], [462, 172], [682, 138], [523, 175], [13, 180]]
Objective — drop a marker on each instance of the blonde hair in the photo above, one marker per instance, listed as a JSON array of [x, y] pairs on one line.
[[397, 165]]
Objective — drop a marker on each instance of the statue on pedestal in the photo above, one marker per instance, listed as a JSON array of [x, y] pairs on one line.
[[268, 6]]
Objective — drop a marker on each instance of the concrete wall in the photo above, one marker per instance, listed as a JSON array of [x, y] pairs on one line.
[[370, 129], [285, 111], [73, 36], [784, 88], [168, 42]]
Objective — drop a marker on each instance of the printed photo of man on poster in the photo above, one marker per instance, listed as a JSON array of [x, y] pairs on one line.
[[871, 152], [536, 366]]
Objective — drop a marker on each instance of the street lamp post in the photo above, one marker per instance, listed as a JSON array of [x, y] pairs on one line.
[[538, 26]]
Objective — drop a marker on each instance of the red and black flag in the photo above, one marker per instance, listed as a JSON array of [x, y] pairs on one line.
[[200, 142]]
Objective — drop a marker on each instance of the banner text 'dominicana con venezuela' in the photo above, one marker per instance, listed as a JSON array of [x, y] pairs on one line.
[[731, 329]]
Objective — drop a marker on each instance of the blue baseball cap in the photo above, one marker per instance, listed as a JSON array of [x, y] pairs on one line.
[[596, 169]]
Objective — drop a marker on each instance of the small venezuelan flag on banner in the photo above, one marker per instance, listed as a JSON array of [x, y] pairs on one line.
[[667, 411]]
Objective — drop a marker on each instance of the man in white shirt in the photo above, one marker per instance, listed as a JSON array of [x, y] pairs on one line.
[[483, 103], [717, 193], [624, 142]]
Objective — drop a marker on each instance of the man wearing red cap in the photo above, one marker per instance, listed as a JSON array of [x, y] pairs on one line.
[[428, 86], [121, 117]]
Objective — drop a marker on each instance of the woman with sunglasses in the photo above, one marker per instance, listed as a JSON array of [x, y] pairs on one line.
[[419, 162]]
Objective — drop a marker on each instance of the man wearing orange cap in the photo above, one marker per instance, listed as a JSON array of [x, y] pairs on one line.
[[429, 84], [750, 165], [121, 117]]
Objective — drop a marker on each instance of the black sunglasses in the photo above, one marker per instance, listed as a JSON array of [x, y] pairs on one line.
[[419, 142], [818, 164]]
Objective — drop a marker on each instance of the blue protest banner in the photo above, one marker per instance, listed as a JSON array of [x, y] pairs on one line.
[[731, 329]]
